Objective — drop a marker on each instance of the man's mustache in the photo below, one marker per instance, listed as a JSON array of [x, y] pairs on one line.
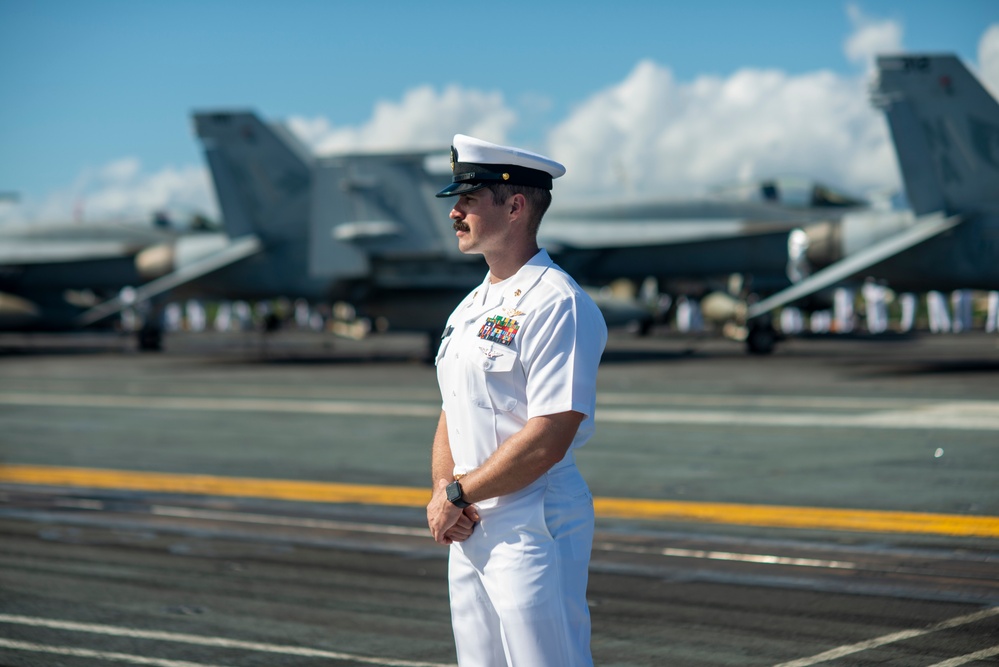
[[459, 226]]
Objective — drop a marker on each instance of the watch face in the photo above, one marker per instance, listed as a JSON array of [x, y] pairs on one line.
[[453, 491]]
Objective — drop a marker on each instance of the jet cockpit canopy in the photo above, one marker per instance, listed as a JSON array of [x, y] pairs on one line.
[[788, 191]]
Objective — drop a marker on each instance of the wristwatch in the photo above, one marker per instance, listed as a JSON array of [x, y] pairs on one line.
[[454, 495]]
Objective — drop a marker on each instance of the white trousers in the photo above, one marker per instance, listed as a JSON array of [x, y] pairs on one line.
[[518, 584]]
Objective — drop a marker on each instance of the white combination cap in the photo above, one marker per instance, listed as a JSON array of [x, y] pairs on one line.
[[477, 163]]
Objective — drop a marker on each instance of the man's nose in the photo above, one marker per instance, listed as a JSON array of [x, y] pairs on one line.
[[456, 214]]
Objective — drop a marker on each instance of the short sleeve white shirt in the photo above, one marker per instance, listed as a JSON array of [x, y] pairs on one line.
[[525, 347]]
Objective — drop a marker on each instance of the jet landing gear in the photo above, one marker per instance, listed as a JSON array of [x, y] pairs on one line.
[[150, 338], [761, 338]]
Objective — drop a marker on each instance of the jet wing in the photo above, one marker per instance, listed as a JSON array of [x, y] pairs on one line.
[[617, 233], [239, 249], [16, 253], [926, 227]]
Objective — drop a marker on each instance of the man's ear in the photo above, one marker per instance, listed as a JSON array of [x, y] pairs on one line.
[[517, 204]]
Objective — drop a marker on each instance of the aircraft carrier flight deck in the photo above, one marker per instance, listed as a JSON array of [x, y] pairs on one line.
[[245, 500]]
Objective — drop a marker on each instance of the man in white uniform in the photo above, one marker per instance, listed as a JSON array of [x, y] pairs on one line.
[[517, 368]]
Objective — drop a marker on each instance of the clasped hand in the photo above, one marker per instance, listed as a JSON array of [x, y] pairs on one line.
[[448, 522]]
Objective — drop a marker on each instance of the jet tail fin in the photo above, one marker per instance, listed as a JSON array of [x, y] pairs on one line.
[[945, 127], [262, 174]]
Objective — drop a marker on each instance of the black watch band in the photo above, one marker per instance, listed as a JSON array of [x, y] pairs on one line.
[[455, 496]]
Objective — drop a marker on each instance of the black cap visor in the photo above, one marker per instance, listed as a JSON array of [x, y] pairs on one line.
[[456, 189], [470, 177]]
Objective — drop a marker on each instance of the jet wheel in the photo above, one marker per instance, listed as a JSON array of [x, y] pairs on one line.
[[761, 339], [150, 339]]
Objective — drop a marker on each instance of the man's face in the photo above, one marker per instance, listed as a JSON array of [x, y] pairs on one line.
[[480, 225]]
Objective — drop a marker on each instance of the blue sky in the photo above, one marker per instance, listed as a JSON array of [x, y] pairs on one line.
[[97, 95]]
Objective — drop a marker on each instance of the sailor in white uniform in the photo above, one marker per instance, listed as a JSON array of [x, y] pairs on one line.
[[517, 370]]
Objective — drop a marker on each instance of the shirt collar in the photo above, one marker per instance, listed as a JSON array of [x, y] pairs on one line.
[[517, 287], [519, 284]]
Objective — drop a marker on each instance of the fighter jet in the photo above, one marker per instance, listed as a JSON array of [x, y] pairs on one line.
[[945, 127], [366, 229], [51, 273], [736, 229]]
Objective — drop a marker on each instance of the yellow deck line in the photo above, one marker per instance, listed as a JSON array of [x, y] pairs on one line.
[[278, 489], [630, 508]]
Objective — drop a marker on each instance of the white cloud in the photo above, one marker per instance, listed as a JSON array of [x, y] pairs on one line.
[[423, 119], [648, 134], [121, 171], [870, 37], [121, 191], [653, 134], [988, 58]]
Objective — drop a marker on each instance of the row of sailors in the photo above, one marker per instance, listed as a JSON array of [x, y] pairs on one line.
[[945, 314], [192, 315]]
